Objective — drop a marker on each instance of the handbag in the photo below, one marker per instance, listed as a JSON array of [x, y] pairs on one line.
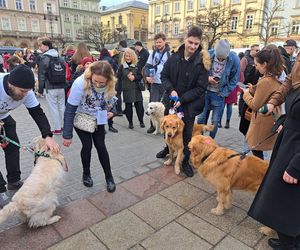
[[248, 114], [85, 122]]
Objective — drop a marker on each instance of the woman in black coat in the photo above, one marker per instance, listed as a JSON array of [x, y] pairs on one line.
[[277, 202]]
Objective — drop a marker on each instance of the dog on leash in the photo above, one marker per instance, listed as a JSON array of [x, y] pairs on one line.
[[36, 200], [156, 112], [173, 127], [199, 129]]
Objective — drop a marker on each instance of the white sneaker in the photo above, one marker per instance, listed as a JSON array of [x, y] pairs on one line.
[[4, 200]]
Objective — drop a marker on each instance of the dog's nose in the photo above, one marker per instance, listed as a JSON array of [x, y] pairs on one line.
[[169, 135], [147, 113]]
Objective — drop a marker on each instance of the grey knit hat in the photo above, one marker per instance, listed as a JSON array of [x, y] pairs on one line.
[[222, 49]]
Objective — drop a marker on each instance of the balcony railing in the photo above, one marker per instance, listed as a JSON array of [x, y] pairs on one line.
[[25, 34]]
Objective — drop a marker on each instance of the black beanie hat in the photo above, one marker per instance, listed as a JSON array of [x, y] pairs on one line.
[[22, 76]]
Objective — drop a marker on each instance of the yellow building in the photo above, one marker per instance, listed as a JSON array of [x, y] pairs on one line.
[[126, 21], [172, 17]]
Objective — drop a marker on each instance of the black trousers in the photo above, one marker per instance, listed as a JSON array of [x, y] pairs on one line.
[[289, 242], [187, 136], [119, 102], [98, 138], [12, 154], [139, 111]]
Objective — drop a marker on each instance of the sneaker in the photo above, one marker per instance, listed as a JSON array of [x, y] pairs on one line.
[[187, 169], [163, 153], [112, 129], [227, 124], [110, 186], [150, 130], [57, 132], [14, 185], [87, 180], [4, 200]]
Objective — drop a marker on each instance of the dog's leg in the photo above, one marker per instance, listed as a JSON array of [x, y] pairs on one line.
[[156, 125], [178, 162], [53, 219], [267, 231], [222, 197], [171, 155], [228, 202]]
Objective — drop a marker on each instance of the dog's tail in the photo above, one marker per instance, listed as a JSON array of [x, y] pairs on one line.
[[8, 211]]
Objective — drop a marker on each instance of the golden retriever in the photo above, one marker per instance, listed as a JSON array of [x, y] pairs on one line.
[[199, 129], [224, 173], [156, 112], [173, 127], [36, 200]]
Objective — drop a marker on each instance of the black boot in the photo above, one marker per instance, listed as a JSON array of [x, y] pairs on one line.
[[110, 185], [87, 180], [227, 124], [130, 125], [151, 129], [14, 185], [187, 169], [112, 129], [163, 153], [277, 245]]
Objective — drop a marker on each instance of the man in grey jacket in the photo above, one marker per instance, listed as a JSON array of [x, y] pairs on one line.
[[51, 75]]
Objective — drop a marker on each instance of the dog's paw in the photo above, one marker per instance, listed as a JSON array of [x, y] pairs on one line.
[[217, 211], [168, 162], [228, 205], [155, 133], [266, 231], [177, 170]]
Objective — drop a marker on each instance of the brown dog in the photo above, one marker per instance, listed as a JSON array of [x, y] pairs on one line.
[[199, 129], [225, 173], [173, 126]]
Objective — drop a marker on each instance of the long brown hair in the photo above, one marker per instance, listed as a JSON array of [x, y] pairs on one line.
[[81, 52], [104, 69]]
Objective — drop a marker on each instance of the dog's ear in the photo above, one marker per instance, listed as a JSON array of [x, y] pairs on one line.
[[208, 128], [180, 125], [62, 160], [162, 124]]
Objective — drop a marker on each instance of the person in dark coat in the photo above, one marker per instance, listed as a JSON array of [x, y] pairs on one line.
[[128, 78], [142, 53], [185, 76], [277, 202]]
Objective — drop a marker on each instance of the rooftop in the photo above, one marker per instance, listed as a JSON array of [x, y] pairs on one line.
[[133, 4]]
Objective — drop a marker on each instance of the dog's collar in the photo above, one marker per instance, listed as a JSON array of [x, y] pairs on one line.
[[36, 157]]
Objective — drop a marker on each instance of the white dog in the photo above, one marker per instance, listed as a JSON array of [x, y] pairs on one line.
[[36, 200], [156, 111]]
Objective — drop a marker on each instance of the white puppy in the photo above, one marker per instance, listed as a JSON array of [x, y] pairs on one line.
[[156, 111], [36, 200]]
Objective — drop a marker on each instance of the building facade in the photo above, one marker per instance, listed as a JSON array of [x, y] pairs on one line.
[[77, 16], [22, 21], [126, 21], [173, 17]]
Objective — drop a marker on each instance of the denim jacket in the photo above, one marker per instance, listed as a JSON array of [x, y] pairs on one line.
[[230, 75]]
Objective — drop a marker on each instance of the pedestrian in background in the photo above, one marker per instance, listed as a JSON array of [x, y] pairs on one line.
[[81, 52]]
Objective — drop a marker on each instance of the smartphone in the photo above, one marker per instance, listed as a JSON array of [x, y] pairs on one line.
[[242, 85]]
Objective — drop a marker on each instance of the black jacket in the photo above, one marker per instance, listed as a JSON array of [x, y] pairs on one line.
[[287, 60], [192, 99], [143, 57]]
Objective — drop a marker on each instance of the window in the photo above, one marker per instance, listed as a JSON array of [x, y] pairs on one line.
[[49, 8], [2, 4], [166, 9], [5, 23], [143, 36], [235, 1], [157, 28], [19, 5], [32, 5], [189, 23], [120, 19], [75, 4], [68, 32], [249, 22], [176, 28], [166, 29], [157, 10], [202, 3], [108, 23], [21, 24], [190, 5], [79, 33], [296, 27], [233, 23], [86, 19], [66, 3], [67, 17], [274, 29], [35, 26], [76, 18], [95, 20], [143, 20], [216, 2], [297, 3], [177, 7]]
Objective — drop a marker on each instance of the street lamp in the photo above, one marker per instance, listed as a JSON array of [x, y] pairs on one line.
[[51, 17]]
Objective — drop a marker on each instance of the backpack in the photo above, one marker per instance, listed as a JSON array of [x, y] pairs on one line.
[[56, 71]]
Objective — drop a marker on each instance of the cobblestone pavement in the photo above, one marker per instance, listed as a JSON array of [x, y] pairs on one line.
[[167, 208]]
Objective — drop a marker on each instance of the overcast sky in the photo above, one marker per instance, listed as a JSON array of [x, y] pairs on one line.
[[115, 2]]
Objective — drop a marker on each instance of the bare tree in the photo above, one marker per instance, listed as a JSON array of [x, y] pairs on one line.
[[215, 23], [98, 35], [269, 27], [62, 41]]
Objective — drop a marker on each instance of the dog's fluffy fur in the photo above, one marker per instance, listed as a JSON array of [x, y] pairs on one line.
[[225, 174], [156, 112], [36, 200], [173, 126], [199, 129]]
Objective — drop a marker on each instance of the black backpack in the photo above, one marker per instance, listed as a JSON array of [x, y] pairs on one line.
[[56, 71]]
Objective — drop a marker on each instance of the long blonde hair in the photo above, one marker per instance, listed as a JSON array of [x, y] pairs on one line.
[[104, 69], [132, 54], [81, 52]]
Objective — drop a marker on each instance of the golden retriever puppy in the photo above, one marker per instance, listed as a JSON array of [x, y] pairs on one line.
[[156, 112], [199, 129], [225, 173], [36, 200], [173, 126]]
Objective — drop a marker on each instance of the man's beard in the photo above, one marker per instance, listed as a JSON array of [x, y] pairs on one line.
[[14, 95]]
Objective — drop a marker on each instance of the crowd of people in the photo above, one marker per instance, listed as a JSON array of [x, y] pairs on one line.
[[85, 93]]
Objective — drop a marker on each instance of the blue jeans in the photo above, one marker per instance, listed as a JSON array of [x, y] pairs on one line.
[[228, 112], [216, 104]]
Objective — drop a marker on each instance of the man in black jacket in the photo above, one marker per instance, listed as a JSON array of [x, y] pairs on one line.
[[15, 90], [142, 53], [185, 75]]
